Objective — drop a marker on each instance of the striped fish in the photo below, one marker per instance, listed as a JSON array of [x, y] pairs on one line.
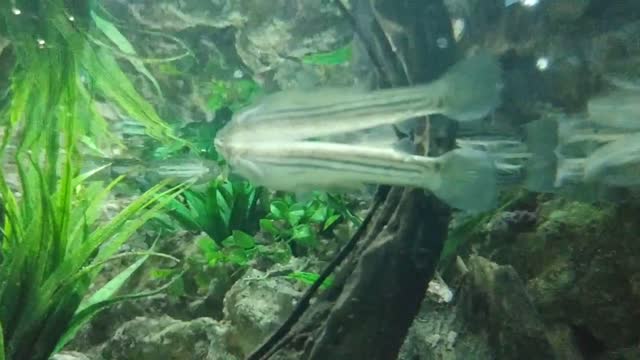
[[463, 178], [468, 91], [266, 142]]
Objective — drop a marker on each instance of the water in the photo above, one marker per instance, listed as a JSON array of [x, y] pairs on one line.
[[226, 179]]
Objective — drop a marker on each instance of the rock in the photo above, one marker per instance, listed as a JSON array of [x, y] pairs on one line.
[[255, 306], [263, 41], [69, 355], [165, 338], [581, 264], [291, 28], [493, 318], [172, 15]]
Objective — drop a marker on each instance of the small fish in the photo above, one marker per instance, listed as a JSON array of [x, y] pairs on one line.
[[469, 90], [463, 178], [184, 169], [192, 169]]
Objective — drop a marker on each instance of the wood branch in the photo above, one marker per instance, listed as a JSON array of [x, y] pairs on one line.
[[379, 288]]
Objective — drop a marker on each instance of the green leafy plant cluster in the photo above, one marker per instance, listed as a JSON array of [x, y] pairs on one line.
[[220, 209], [301, 223], [228, 214]]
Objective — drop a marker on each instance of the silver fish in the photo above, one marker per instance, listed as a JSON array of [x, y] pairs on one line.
[[469, 90], [265, 143], [190, 169], [463, 178]]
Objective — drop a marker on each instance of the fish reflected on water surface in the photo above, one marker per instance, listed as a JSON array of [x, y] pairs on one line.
[[601, 147]]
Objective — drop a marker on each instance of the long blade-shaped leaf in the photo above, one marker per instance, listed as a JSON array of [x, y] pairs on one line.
[[125, 46]]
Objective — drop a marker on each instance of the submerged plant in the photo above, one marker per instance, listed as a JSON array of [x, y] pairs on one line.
[[300, 223], [335, 57], [220, 209], [54, 242], [53, 246], [60, 47]]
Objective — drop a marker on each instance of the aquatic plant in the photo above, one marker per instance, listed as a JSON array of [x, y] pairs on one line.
[[335, 57], [220, 209], [53, 241], [300, 223], [66, 47], [308, 278], [53, 246]]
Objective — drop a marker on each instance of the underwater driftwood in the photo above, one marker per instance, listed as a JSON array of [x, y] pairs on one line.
[[391, 259]]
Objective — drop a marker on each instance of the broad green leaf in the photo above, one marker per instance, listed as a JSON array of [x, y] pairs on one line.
[[319, 215], [336, 57], [267, 226], [294, 216], [303, 235], [229, 241], [243, 239], [309, 278], [330, 221], [238, 256], [278, 209]]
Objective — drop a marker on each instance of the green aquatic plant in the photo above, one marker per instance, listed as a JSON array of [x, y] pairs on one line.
[[238, 248], [308, 278], [218, 210], [61, 47], [301, 223], [335, 57], [54, 244]]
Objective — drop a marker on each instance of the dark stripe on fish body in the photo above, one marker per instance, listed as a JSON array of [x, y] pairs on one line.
[[343, 165], [346, 109], [360, 99]]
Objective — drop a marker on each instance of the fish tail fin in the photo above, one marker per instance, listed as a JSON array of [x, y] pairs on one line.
[[471, 88], [468, 180], [541, 138]]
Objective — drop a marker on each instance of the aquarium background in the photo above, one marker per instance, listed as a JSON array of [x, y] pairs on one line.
[[125, 234]]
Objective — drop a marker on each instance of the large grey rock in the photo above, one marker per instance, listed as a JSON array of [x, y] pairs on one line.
[[255, 306], [181, 15], [69, 355], [290, 28], [165, 338], [492, 318]]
